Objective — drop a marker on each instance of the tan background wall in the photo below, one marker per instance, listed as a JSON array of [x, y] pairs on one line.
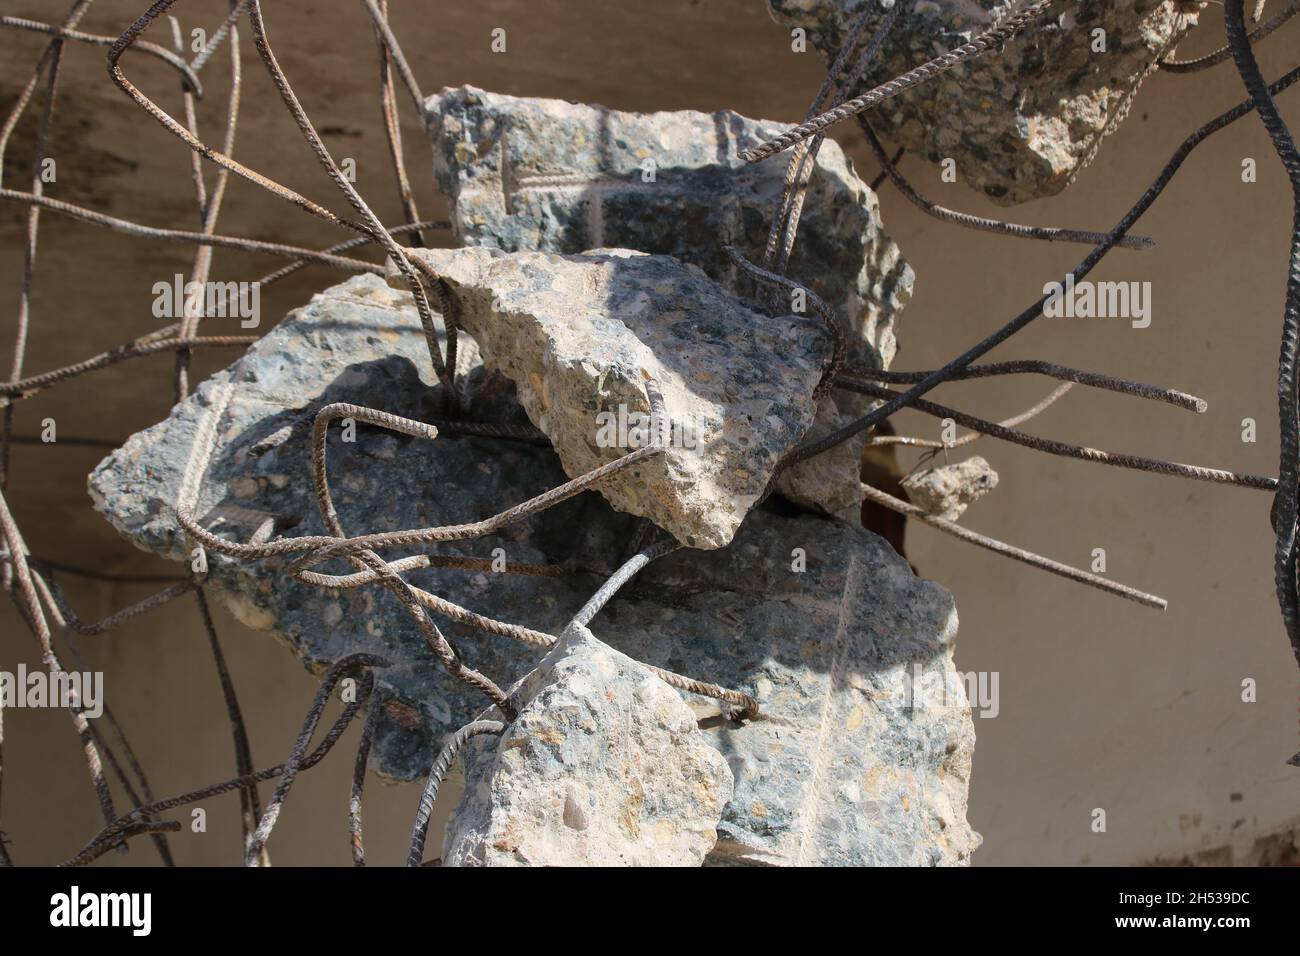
[[1102, 703]]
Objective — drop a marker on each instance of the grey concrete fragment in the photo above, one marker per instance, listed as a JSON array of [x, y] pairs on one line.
[[862, 752], [540, 174], [1019, 123], [579, 335], [361, 342], [946, 491], [844, 764], [604, 766], [528, 174], [829, 482]]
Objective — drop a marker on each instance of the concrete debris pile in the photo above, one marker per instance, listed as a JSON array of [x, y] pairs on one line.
[[590, 282], [820, 621], [525, 174]]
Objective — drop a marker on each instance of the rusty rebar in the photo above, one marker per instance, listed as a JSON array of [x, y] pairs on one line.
[[986, 41], [1286, 506], [361, 765], [171, 59], [1065, 450], [1031, 313], [139, 813], [33, 226], [1064, 373], [142, 231], [1224, 52], [477, 728], [983, 223], [293, 766], [250, 807], [1010, 551]]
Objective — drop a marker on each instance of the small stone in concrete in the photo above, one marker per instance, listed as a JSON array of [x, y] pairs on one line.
[[945, 491]]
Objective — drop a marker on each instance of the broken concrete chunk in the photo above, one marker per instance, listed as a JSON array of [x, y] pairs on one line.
[[579, 335], [822, 483], [538, 174], [862, 752], [819, 620], [603, 767], [946, 491], [1019, 123], [527, 174], [823, 651], [361, 342]]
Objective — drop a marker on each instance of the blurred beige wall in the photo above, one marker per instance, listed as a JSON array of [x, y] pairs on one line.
[[1102, 703]]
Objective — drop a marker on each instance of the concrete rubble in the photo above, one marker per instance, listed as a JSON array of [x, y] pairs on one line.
[[360, 342], [821, 621], [604, 766], [525, 174], [579, 336], [862, 750], [1020, 124], [946, 491]]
